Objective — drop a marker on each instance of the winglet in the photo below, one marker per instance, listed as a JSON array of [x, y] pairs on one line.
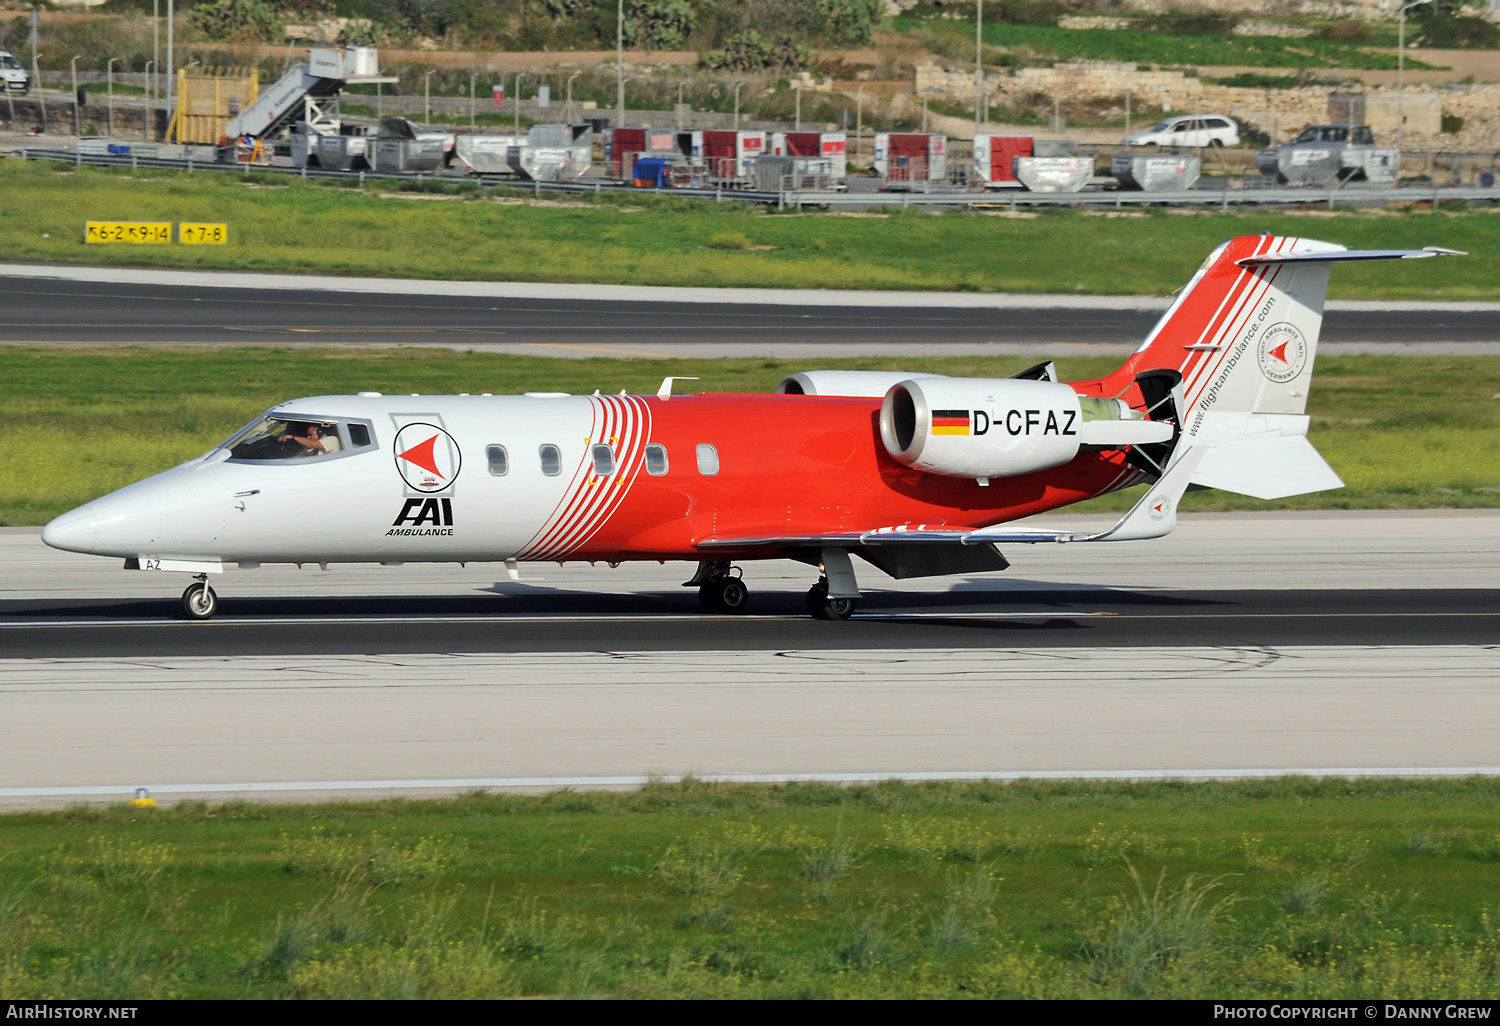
[[1154, 516]]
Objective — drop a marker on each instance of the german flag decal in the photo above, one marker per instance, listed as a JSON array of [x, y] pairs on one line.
[[950, 422]]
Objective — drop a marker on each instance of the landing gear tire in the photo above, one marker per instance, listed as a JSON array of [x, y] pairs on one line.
[[724, 595], [821, 607], [199, 601]]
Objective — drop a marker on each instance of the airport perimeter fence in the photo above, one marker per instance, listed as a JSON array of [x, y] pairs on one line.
[[197, 159]]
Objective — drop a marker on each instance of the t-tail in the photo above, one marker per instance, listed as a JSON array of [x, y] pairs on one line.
[[1231, 361]]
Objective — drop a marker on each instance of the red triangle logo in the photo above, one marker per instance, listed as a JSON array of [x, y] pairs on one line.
[[1159, 507], [1280, 352], [422, 455]]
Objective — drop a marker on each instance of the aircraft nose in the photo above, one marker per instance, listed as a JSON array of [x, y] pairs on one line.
[[74, 531]]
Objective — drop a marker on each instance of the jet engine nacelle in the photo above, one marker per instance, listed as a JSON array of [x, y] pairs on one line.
[[983, 427]]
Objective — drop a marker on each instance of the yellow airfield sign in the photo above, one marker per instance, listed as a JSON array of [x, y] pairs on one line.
[[136, 232], [203, 234]]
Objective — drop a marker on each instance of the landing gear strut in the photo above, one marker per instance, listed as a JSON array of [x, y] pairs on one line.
[[837, 578], [720, 587], [199, 601]]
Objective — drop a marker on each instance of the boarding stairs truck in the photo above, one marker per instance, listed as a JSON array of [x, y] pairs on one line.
[[308, 93]]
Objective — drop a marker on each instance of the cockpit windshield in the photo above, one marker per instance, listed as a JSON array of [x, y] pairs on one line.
[[276, 437], [9, 63]]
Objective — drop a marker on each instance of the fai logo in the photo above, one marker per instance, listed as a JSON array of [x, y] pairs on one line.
[[1159, 508], [426, 457], [1283, 353]]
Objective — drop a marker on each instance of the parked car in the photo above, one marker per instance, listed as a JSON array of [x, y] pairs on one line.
[[1189, 130], [16, 79]]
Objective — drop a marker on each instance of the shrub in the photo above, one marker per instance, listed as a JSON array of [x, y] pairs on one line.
[[225, 20]]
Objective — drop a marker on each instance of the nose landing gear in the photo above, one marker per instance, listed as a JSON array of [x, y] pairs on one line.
[[199, 601]]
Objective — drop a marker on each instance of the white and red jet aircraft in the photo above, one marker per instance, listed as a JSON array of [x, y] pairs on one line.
[[917, 474]]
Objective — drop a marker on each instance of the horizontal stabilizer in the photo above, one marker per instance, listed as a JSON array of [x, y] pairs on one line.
[[1265, 468], [1341, 255]]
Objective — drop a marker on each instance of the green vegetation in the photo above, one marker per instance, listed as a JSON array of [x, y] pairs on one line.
[[278, 222], [1043, 44], [1403, 432], [1289, 888]]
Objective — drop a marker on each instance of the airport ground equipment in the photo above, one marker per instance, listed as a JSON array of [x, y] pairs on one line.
[[1155, 172], [830, 146], [1324, 155], [401, 146], [554, 153], [344, 152], [796, 174], [911, 160], [995, 159], [308, 92], [486, 154]]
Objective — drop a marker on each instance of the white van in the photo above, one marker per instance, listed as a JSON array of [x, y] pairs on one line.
[[16, 78], [1189, 130]]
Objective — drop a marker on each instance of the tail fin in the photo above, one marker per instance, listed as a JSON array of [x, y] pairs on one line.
[[1231, 360]]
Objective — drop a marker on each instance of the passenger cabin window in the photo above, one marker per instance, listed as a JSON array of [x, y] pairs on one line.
[[497, 459], [288, 438], [656, 459], [1363, 136], [708, 460], [604, 460], [551, 460]]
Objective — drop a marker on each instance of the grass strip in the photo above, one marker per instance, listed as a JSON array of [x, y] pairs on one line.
[[1402, 431], [438, 230], [1281, 888]]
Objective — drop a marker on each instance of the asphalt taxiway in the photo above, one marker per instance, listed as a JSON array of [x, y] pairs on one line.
[[1240, 645]]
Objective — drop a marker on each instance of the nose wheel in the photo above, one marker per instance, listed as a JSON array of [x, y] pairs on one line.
[[199, 601]]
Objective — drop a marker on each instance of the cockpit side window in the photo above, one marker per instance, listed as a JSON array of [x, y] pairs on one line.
[[279, 438]]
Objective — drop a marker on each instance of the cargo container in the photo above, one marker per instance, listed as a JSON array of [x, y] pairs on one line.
[[729, 156], [623, 146], [995, 156], [402, 146], [1155, 173], [831, 146], [795, 174], [1054, 174], [911, 160], [486, 154], [554, 152]]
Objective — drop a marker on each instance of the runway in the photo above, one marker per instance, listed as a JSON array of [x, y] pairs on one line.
[[1241, 645], [102, 306]]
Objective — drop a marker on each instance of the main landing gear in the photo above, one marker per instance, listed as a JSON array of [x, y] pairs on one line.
[[720, 588], [821, 607], [199, 601], [834, 597]]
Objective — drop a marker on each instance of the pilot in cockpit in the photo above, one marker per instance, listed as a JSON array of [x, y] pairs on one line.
[[315, 439]]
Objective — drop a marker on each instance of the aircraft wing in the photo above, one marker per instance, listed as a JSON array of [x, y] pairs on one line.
[[1153, 516]]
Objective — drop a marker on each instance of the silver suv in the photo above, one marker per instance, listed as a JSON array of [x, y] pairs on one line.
[[1189, 130]]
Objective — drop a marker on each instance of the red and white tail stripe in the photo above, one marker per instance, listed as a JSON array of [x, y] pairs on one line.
[[590, 499]]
